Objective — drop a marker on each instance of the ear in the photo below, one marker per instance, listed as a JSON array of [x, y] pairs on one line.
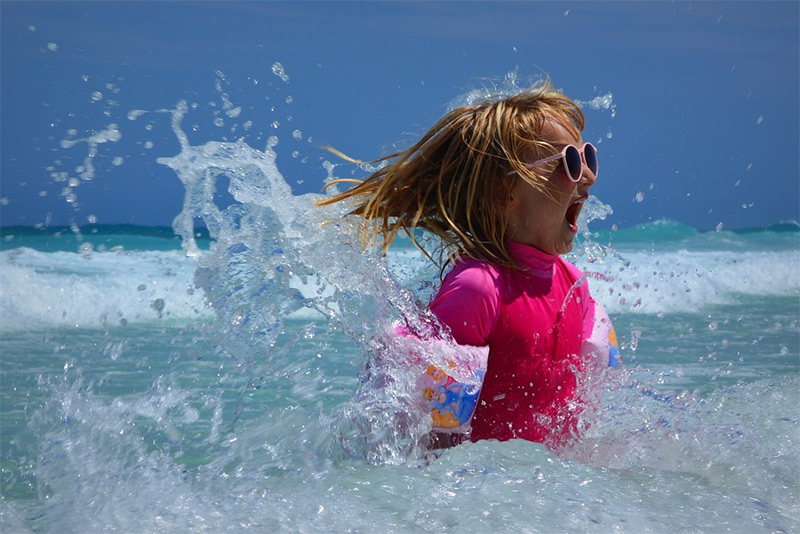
[[503, 195], [511, 202]]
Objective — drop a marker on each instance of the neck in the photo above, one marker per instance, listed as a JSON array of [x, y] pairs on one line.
[[531, 259]]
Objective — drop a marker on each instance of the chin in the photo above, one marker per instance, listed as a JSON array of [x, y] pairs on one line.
[[565, 248]]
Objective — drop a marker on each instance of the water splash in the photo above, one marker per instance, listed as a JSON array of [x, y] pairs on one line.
[[87, 171], [272, 256], [244, 425], [280, 72], [601, 102]]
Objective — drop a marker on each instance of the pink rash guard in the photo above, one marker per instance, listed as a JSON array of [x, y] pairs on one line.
[[534, 321]]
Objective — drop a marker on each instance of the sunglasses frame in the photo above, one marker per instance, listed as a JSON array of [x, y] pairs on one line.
[[563, 155]]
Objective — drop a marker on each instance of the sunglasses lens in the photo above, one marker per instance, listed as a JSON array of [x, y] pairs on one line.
[[574, 165], [590, 153]]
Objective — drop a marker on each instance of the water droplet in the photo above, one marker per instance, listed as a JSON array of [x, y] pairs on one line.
[[278, 70], [158, 305], [135, 114]]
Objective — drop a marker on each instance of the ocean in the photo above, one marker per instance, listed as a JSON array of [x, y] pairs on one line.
[[239, 372]]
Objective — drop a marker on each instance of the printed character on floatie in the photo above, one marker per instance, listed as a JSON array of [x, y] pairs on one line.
[[452, 403]]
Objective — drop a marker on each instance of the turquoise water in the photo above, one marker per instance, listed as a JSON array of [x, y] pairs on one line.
[[160, 418], [215, 381]]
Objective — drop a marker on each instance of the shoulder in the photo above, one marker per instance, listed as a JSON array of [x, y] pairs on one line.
[[569, 269], [468, 301], [473, 275], [470, 283], [574, 275]]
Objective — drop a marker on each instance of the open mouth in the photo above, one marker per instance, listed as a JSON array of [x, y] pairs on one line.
[[571, 216]]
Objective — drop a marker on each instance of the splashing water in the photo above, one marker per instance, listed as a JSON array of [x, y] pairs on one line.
[[273, 256], [288, 403]]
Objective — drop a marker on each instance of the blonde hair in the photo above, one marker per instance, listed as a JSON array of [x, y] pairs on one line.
[[455, 181]]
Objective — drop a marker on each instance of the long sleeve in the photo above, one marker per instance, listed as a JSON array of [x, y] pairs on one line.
[[468, 303]]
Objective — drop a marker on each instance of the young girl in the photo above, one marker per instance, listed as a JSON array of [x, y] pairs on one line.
[[502, 183]]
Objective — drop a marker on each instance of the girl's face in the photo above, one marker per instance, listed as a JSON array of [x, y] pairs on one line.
[[549, 222]]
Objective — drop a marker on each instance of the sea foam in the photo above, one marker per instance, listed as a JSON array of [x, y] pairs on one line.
[[683, 280], [101, 289]]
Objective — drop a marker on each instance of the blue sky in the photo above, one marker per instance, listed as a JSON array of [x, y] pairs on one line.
[[704, 127]]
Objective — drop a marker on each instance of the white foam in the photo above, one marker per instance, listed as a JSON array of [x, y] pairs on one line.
[[66, 289], [665, 282]]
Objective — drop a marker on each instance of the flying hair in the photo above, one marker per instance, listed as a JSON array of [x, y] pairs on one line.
[[455, 181]]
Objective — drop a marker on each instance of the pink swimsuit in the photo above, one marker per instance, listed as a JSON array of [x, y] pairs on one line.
[[534, 321]]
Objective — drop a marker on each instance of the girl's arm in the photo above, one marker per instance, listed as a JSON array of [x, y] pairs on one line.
[[599, 336], [468, 302]]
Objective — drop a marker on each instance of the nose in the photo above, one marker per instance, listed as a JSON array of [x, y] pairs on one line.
[[587, 176]]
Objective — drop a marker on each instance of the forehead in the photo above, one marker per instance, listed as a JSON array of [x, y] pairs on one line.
[[560, 131], [555, 134]]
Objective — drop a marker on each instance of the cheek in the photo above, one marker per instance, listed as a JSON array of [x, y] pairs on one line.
[[556, 197], [563, 195]]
